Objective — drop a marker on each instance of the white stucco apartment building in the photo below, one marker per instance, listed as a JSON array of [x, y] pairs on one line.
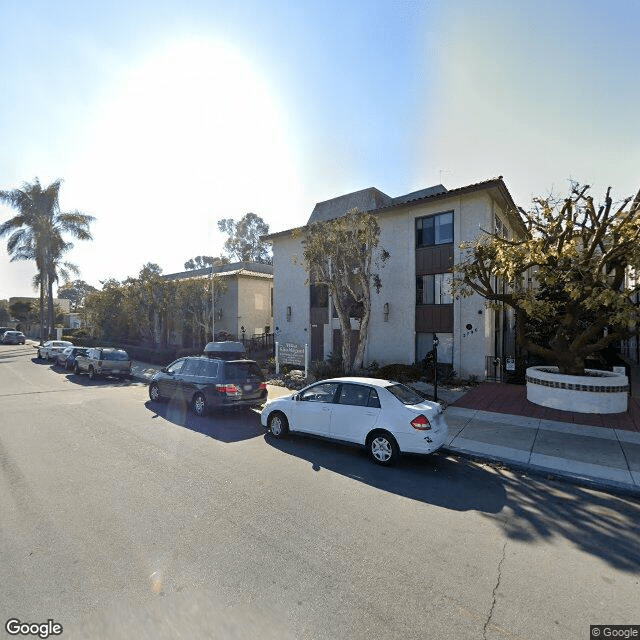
[[422, 232]]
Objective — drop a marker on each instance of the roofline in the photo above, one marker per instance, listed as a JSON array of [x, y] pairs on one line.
[[232, 268], [497, 183], [280, 234], [222, 274]]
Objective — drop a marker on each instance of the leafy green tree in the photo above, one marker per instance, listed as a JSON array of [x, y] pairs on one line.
[[201, 262], [37, 233], [193, 306], [571, 282], [244, 243], [5, 316], [343, 255], [75, 291], [24, 311], [105, 311]]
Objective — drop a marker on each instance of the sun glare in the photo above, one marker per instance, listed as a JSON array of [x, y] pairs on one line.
[[195, 133]]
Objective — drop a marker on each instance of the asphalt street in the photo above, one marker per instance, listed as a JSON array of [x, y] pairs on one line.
[[120, 518]]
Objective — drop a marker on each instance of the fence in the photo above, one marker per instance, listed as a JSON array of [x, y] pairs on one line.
[[259, 343]]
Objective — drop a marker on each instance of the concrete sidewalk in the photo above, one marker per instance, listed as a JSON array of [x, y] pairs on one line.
[[601, 457]]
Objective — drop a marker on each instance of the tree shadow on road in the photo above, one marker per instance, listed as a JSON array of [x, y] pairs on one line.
[[529, 508], [12, 351], [602, 524], [223, 425]]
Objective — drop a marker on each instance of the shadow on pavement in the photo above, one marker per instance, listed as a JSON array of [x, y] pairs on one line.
[[83, 380], [225, 426], [12, 351], [436, 479], [100, 381], [601, 524], [530, 509]]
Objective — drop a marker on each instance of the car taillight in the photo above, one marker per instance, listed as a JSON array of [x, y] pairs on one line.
[[229, 389], [421, 423], [263, 386]]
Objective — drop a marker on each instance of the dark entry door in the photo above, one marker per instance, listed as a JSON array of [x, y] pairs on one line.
[[317, 342]]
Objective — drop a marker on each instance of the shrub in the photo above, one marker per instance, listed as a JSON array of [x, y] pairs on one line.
[[152, 356], [445, 372], [329, 368], [79, 337], [399, 372]]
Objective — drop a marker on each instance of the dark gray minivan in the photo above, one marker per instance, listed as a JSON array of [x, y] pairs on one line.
[[210, 383]]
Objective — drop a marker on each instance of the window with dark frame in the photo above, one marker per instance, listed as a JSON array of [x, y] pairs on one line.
[[434, 230], [434, 289]]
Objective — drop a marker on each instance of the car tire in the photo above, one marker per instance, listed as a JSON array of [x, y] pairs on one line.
[[383, 448], [92, 373], [66, 366], [198, 404], [278, 424], [76, 369], [154, 392]]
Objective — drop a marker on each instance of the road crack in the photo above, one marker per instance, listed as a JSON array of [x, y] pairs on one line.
[[495, 591]]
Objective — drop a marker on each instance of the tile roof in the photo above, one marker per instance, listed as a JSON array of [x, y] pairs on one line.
[[258, 269], [374, 201]]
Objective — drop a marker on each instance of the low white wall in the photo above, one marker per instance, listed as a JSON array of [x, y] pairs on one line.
[[601, 392]]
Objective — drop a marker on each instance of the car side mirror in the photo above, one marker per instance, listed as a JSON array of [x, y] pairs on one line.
[[164, 370]]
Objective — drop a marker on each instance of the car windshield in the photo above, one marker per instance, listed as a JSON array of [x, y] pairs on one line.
[[405, 394], [115, 355], [242, 370]]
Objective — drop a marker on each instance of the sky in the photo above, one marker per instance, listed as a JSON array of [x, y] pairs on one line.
[[162, 117]]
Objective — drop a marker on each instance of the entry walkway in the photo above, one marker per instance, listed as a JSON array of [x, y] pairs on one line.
[[497, 422]]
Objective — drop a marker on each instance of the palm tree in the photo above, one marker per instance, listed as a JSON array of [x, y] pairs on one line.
[[36, 233]]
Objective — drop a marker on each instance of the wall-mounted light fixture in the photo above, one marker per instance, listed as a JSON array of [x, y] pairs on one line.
[[288, 314], [386, 311]]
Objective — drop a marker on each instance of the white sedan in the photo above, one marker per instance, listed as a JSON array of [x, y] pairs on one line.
[[51, 348], [386, 417]]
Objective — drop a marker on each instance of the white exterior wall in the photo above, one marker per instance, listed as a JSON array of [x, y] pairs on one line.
[[394, 341], [290, 290], [470, 347]]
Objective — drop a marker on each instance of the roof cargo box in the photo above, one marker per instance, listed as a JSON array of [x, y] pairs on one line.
[[227, 350]]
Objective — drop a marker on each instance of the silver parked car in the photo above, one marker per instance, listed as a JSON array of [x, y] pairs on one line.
[[51, 348], [103, 361], [67, 358]]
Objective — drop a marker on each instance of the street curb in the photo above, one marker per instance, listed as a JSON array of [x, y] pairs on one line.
[[573, 478], [590, 482]]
